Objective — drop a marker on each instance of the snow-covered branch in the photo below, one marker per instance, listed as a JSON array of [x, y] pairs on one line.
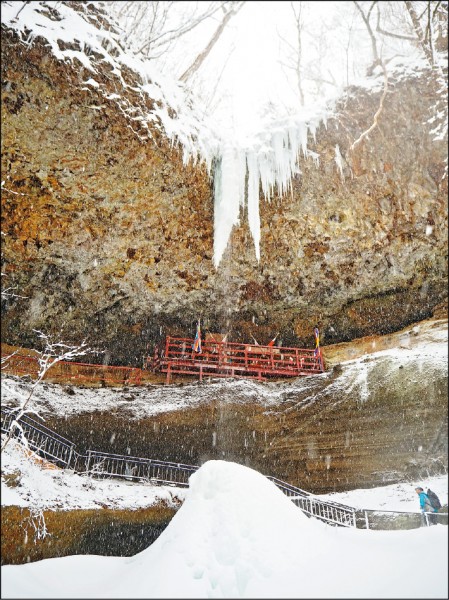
[[53, 353]]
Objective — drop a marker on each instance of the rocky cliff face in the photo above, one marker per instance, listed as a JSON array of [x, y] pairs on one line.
[[377, 416], [111, 237]]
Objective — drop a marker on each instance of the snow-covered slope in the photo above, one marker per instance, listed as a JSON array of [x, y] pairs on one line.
[[238, 536]]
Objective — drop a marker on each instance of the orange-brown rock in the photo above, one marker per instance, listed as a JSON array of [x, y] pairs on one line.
[[109, 236]]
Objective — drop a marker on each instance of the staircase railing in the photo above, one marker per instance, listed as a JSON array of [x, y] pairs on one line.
[[327, 511], [46, 443], [49, 445], [133, 468]]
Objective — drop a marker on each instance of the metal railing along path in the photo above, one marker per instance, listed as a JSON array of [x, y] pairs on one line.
[[60, 451], [43, 441], [324, 510], [397, 519], [133, 468]]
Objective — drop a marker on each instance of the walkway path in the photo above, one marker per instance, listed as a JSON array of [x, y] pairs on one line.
[[59, 451]]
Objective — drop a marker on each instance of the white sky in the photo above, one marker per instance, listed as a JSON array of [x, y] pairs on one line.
[[238, 536], [254, 76]]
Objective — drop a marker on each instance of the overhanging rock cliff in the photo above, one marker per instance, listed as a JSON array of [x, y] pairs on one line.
[[109, 236]]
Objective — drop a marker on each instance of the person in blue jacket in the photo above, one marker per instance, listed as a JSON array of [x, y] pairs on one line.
[[426, 506]]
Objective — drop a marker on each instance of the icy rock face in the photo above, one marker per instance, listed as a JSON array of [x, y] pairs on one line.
[[113, 237]]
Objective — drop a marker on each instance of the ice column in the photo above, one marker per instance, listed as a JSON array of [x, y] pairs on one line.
[[270, 161], [229, 196], [253, 200]]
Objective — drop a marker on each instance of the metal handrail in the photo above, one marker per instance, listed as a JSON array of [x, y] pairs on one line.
[[135, 468], [55, 448], [46, 443], [328, 511], [363, 518]]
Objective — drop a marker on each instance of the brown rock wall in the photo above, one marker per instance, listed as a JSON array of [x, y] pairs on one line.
[[382, 422], [102, 531], [110, 236]]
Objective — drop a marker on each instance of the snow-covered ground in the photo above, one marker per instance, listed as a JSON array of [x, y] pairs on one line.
[[238, 536], [58, 489]]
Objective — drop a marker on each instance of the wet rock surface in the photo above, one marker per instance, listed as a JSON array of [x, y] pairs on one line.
[[378, 415], [331, 444], [104, 532]]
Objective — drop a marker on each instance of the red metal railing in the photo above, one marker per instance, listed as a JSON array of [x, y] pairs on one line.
[[217, 358], [20, 364], [223, 359]]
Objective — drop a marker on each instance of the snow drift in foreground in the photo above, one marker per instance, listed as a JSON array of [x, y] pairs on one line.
[[238, 536]]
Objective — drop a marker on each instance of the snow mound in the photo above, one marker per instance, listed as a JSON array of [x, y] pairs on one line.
[[235, 527], [238, 536]]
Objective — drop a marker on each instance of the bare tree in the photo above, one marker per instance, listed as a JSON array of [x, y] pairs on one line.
[[53, 353], [396, 16], [422, 23], [367, 20], [230, 11], [377, 61], [363, 135], [296, 57], [425, 38], [306, 49], [150, 28]]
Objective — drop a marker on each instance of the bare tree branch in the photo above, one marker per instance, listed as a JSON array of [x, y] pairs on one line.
[[427, 49], [53, 353], [299, 28], [363, 135], [366, 19], [150, 27], [236, 6], [397, 36]]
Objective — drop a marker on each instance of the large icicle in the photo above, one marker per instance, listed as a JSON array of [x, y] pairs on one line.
[[269, 161], [253, 200], [229, 192]]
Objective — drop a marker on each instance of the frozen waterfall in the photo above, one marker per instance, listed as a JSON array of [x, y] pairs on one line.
[[243, 171], [244, 167]]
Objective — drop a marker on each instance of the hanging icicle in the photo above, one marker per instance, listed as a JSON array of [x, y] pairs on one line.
[[269, 163]]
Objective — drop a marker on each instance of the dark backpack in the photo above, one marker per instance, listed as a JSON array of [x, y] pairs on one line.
[[434, 500]]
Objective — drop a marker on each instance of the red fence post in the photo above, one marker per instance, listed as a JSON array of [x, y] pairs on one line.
[[321, 360], [168, 373]]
